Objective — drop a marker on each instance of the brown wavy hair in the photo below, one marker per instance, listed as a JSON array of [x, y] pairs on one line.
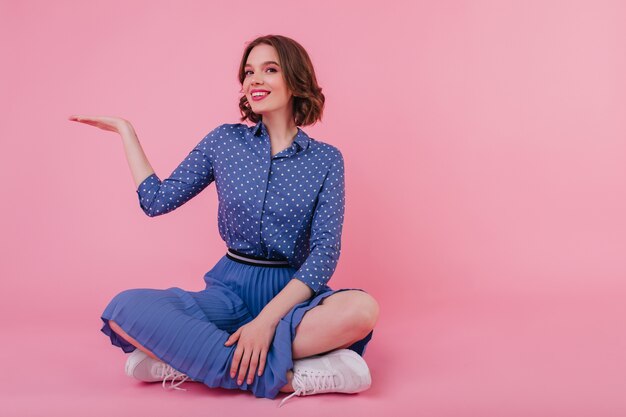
[[308, 100]]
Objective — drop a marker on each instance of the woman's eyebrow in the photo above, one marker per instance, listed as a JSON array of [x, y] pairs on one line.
[[265, 63]]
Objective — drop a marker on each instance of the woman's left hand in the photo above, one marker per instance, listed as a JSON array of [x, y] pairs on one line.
[[254, 338]]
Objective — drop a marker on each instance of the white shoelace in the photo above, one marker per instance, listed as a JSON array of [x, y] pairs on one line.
[[169, 372], [309, 382]]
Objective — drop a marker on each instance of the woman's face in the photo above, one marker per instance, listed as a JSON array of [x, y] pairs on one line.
[[263, 72]]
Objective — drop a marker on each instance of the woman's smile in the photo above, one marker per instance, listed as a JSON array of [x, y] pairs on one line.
[[260, 95]]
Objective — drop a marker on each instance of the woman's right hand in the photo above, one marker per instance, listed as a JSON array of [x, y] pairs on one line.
[[111, 123], [139, 165]]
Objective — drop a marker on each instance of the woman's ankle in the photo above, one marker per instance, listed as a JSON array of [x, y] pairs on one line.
[[288, 387]]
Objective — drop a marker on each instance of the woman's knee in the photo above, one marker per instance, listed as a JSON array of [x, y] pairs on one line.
[[359, 309], [365, 310]]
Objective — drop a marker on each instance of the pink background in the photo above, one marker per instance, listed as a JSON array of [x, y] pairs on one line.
[[485, 172]]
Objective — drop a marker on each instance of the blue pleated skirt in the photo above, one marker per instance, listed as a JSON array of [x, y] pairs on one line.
[[187, 329]]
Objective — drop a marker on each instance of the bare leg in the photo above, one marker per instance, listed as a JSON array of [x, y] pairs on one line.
[[288, 387], [336, 323], [117, 329]]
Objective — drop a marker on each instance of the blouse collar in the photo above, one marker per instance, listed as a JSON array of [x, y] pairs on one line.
[[302, 139]]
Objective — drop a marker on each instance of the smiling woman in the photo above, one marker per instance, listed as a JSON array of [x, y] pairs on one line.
[[282, 67], [267, 320]]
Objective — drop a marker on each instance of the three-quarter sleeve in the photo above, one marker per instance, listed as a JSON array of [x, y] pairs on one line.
[[326, 228], [192, 175]]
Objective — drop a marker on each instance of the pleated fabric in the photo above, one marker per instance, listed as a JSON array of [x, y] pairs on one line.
[[188, 329]]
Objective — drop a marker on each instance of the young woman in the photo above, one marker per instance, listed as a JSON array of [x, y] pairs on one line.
[[267, 321]]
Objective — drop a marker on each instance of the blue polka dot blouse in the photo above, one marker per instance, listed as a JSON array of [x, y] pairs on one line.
[[287, 206]]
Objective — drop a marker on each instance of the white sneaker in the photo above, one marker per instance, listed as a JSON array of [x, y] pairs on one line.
[[342, 370], [142, 367]]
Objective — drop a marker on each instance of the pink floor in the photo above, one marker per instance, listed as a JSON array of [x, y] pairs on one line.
[[532, 357]]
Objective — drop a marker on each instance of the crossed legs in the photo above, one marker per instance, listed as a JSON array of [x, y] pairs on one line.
[[337, 322]]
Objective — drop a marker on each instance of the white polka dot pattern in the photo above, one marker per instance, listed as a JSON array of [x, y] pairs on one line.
[[287, 206]]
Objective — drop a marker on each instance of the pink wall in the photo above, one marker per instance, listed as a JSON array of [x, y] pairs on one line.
[[485, 170]]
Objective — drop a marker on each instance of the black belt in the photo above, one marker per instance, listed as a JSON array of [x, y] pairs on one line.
[[255, 260]]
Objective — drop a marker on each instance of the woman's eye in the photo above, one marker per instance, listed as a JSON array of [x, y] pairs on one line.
[[246, 73]]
